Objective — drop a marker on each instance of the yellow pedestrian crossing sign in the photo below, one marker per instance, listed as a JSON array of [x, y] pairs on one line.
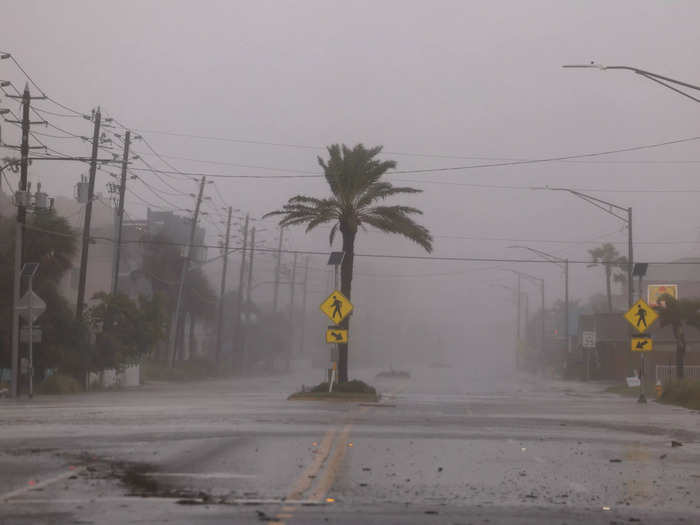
[[641, 316], [642, 343], [336, 307], [336, 335]]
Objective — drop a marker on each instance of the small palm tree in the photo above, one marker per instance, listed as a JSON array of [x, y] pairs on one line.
[[675, 313], [607, 256], [353, 176]]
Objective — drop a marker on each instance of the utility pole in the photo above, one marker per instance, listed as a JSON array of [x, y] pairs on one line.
[[278, 268], [566, 306], [80, 305], [251, 256], [292, 285], [19, 238], [183, 275], [248, 301], [239, 309], [303, 306], [88, 217], [120, 213], [222, 292], [542, 322], [517, 331]]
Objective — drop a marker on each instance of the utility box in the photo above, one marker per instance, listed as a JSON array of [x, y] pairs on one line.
[[23, 198], [81, 191]]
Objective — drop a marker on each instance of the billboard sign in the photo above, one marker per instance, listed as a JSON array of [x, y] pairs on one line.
[[654, 291]]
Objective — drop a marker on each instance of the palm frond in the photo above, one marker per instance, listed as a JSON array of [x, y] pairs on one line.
[[334, 230], [380, 191], [395, 219]]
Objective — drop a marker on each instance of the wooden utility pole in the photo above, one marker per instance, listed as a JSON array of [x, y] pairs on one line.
[[239, 308], [183, 275], [251, 256], [19, 238], [303, 306], [222, 290], [80, 305], [292, 285], [278, 269], [248, 300], [120, 214]]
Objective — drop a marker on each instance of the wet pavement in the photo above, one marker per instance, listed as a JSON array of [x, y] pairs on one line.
[[440, 447]]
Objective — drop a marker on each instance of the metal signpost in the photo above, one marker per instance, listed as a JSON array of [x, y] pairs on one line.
[[336, 307], [641, 316]]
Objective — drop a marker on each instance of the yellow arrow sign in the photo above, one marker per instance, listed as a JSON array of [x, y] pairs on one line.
[[642, 344], [641, 316], [336, 307], [336, 335]]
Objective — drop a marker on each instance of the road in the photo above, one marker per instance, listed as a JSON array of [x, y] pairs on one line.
[[445, 446]]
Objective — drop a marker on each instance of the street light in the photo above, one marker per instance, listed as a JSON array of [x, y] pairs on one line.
[[516, 301], [614, 210], [654, 77], [626, 217], [564, 263], [532, 278]]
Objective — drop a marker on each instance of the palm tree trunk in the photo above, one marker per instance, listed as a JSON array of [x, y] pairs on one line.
[[608, 287], [346, 270]]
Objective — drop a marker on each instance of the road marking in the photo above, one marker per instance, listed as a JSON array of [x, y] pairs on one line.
[[50, 481], [200, 475], [304, 481], [331, 470], [338, 443]]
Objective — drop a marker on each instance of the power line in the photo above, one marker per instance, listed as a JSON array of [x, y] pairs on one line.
[[553, 159], [505, 159]]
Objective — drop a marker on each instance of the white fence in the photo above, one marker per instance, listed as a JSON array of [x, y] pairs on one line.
[[665, 372], [128, 377]]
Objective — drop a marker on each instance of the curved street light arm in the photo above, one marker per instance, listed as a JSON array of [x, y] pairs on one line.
[[655, 77], [598, 203]]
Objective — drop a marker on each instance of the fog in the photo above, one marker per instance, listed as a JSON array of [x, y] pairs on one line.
[[438, 84]]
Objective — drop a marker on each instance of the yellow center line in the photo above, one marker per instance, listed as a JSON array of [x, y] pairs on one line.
[[338, 443], [303, 482]]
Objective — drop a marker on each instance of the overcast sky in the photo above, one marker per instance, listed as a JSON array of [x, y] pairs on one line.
[[439, 84]]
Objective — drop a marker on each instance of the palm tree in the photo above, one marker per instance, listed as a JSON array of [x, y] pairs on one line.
[[675, 313], [353, 176], [608, 256]]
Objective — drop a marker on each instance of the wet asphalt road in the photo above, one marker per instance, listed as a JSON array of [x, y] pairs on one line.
[[441, 447]]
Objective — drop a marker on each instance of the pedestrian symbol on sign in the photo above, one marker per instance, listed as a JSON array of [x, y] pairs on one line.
[[641, 316], [337, 307]]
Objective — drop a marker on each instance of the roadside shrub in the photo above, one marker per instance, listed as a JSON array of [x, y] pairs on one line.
[[685, 392], [394, 374], [58, 384], [354, 386], [191, 370]]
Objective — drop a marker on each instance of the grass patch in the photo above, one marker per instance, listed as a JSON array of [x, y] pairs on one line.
[[354, 390], [684, 392], [191, 370], [58, 384]]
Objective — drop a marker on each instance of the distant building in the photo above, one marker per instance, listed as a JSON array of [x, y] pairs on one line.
[[683, 273]]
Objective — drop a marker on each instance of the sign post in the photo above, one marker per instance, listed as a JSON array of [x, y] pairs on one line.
[[588, 341], [336, 307], [641, 316]]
